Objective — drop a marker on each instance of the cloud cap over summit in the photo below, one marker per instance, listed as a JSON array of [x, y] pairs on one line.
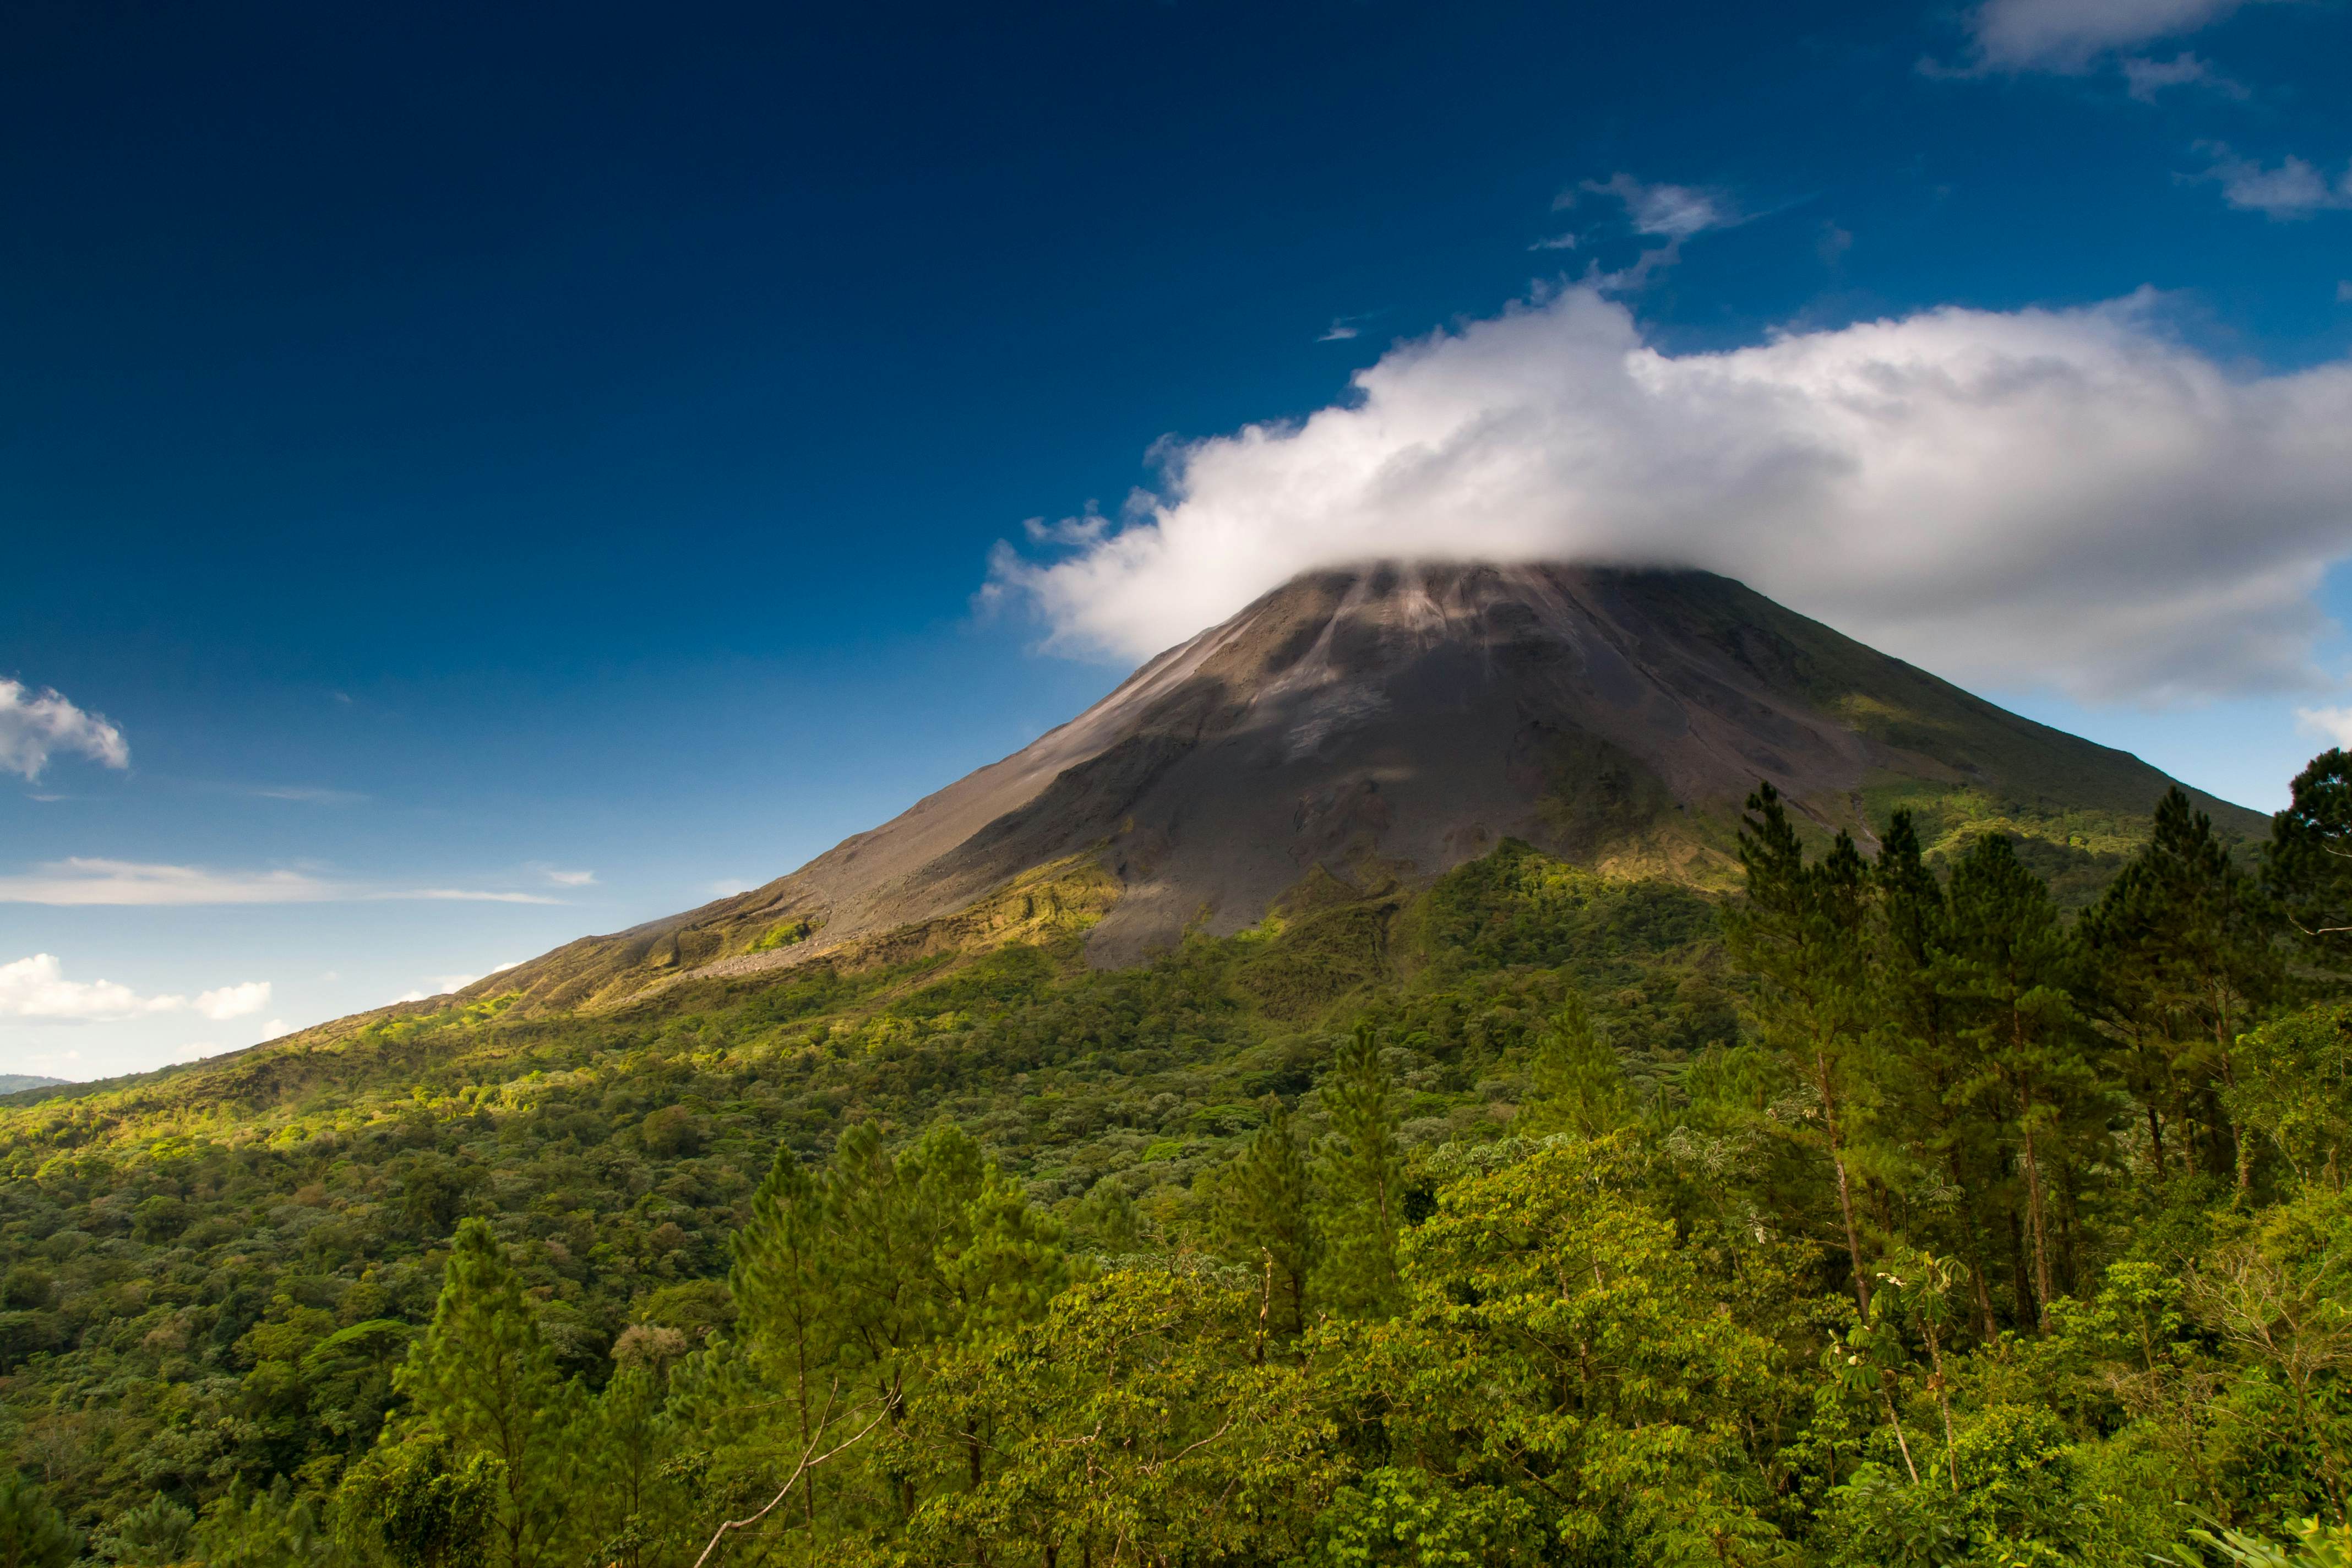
[[2072, 497]]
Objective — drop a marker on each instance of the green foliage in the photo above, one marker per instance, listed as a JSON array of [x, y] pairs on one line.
[[482, 1378], [1362, 1179], [1888, 1214], [427, 1503], [32, 1535]]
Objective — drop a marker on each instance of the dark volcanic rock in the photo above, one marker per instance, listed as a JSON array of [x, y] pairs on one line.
[[1391, 721]]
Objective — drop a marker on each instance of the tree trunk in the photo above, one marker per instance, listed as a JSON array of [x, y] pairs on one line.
[[1844, 1189], [2034, 1208]]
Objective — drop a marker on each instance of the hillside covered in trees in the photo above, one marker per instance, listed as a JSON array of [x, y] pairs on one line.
[[1889, 1213]]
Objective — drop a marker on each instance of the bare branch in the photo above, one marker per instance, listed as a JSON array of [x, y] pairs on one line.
[[810, 1461]]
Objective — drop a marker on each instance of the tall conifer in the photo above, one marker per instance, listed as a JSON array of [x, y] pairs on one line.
[[1800, 932], [1362, 1179]]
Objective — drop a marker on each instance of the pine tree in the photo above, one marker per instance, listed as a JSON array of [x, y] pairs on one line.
[[2308, 862], [2185, 960], [786, 1313], [1800, 932], [1580, 1085], [481, 1377], [2016, 966], [32, 1535], [1260, 1210], [1918, 1025], [1362, 1180]]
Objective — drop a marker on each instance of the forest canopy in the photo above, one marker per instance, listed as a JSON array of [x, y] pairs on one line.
[[1890, 1212]]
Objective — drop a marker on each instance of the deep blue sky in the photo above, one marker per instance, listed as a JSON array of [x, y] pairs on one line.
[[569, 439]]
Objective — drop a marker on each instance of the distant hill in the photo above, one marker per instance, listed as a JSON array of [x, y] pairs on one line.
[[1391, 722], [10, 1082]]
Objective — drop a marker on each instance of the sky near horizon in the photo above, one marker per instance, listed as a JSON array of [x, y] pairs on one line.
[[470, 478]]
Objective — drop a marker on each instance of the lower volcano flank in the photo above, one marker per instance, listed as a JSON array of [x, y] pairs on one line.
[[1385, 723]]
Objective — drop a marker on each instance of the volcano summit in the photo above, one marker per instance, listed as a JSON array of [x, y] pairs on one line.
[[1384, 723]]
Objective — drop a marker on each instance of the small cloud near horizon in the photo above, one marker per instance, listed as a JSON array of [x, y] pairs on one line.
[[311, 794], [86, 881], [35, 989]]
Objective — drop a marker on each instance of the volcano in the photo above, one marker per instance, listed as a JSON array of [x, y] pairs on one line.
[[1384, 723]]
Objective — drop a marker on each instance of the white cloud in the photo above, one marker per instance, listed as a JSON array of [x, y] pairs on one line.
[[37, 725], [2071, 36], [1668, 212], [87, 881], [572, 878], [82, 880], [2333, 725], [467, 896], [2343, 292], [2146, 78], [274, 1029], [311, 794], [1340, 332], [2293, 190], [233, 1001], [36, 988], [727, 887], [2061, 496]]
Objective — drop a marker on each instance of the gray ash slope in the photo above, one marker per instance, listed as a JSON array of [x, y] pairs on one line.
[[1391, 721]]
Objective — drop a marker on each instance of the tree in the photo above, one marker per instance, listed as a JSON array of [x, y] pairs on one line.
[[482, 1378], [426, 1504], [786, 1312], [1136, 1425], [2015, 964], [1362, 1179], [1559, 1346], [271, 1527], [1260, 1210], [1580, 1085], [1800, 931], [2182, 943], [32, 1533], [2308, 862], [2293, 1086], [1919, 1038]]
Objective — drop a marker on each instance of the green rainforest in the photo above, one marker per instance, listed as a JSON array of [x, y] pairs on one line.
[[1893, 1211]]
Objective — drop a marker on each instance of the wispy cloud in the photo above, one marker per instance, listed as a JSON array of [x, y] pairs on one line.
[[1343, 327], [464, 896], [81, 881], [1665, 211], [35, 725], [2072, 36], [311, 794], [37, 989], [570, 878], [2292, 190], [2145, 79]]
